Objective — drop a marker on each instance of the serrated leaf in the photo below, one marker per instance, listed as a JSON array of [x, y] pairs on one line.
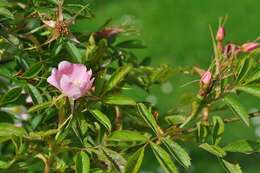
[[118, 161], [4, 3], [131, 44], [33, 71], [41, 134], [127, 136], [253, 90], [118, 100], [213, 149], [82, 163], [177, 152], [237, 108], [5, 12], [243, 146], [91, 46], [6, 165], [164, 159], [231, 168], [11, 95], [40, 107], [202, 132], [243, 68], [102, 118], [175, 119], [135, 161], [8, 130], [74, 52], [148, 117], [218, 129], [117, 77], [35, 94], [254, 78]]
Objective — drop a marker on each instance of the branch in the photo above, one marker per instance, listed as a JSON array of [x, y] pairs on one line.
[[226, 121]]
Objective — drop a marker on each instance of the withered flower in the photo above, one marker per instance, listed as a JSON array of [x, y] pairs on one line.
[[60, 26]]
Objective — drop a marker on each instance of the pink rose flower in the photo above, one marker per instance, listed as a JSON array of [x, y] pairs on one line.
[[220, 34], [73, 80], [206, 78], [250, 46]]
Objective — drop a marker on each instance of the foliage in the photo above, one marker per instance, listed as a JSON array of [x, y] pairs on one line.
[[107, 130]]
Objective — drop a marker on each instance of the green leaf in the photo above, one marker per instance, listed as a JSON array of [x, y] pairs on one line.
[[243, 146], [148, 117], [231, 168], [33, 71], [6, 165], [41, 134], [175, 119], [127, 136], [202, 132], [243, 68], [8, 130], [118, 100], [237, 108], [117, 77], [218, 129], [4, 3], [74, 52], [135, 161], [35, 94], [82, 163], [11, 96], [177, 152], [164, 159], [40, 107], [102, 118], [91, 46], [253, 90], [254, 78], [118, 161], [213, 149], [5, 12], [131, 44]]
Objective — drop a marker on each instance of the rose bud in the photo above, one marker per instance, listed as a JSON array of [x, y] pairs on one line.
[[73, 80], [108, 32], [220, 34], [230, 49], [249, 47], [206, 78]]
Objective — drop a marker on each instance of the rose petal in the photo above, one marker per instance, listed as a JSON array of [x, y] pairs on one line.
[[78, 72], [65, 67], [52, 79], [68, 88]]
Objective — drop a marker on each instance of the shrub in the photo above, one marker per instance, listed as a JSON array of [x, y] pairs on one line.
[[63, 107]]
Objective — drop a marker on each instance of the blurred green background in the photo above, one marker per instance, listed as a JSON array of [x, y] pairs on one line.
[[177, 33]]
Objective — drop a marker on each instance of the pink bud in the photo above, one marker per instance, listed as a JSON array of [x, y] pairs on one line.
[[206, 78], [220, 34], [73, 80], [230, 49], [108, 32], [250, 46]]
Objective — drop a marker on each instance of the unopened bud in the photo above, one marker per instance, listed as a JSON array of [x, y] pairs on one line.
[[206, 78], [108, 32], [220, 34], [249, 47], [230, 49]]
